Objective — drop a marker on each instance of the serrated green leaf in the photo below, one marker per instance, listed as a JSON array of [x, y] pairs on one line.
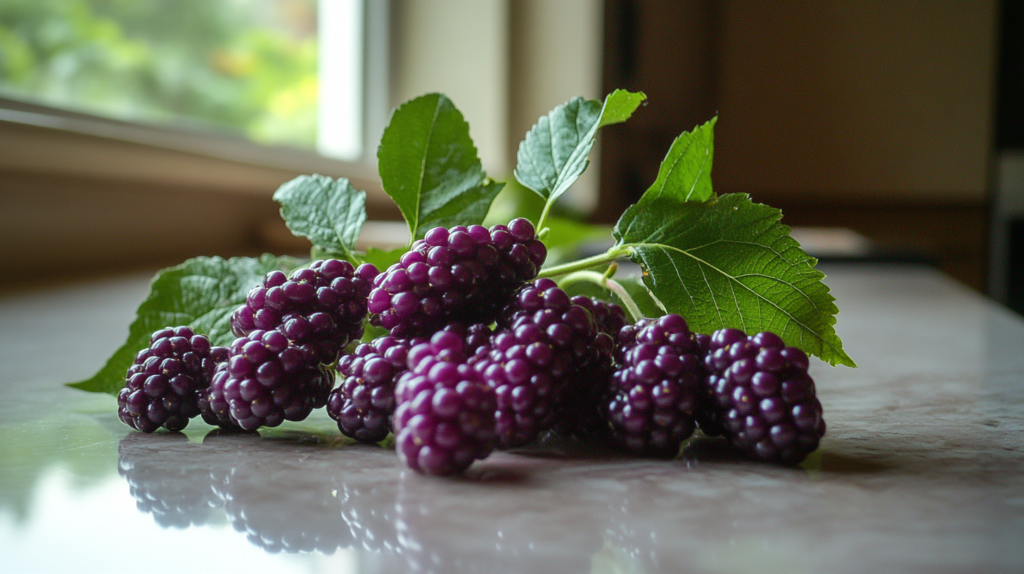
[[554, 153], [429, 166], [383, 258], [729, 262], [685, 173], [330, 212], [201, 293]]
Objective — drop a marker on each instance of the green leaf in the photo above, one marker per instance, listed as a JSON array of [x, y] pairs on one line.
[[685, 173], [381, 258], [201, 293], [554, 153], [329, 212], [429, 166], [729, 262]]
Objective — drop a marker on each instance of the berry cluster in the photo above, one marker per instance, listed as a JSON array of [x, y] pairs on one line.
[[321, 306], [458, 275], [163, 385], [268, 380], [445, 415], [452, 393], [764, 400], [364, 402], [655, 386], [542, 341]]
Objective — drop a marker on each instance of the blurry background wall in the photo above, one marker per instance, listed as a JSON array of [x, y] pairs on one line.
[[874, 115]]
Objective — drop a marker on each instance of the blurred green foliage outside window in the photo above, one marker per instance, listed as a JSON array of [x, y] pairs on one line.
[[244, 66]]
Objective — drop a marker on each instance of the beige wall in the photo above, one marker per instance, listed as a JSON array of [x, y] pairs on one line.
[[504, 63], [886, 98], [556, 56], [459, 48]]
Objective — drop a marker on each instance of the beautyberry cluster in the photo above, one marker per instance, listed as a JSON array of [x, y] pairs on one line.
[[321, 306], [463, 274], [266, 380], [765, 402], [163, 385], [445, 415], [655, 386], [542, 340], [365, 400]]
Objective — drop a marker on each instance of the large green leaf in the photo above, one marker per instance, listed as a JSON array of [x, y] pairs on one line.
[[685, 173], [729, 262], [201, 293], [429, 166], [554, 153], [329, 212]]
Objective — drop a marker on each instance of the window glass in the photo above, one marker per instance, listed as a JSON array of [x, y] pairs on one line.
[[249, 67]]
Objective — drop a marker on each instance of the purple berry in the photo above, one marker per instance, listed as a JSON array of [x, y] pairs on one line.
[[543, 341], [322, 306], [445, 415], [266, 380], [163, 385], [655, 386], [764, 400], [458, 275]]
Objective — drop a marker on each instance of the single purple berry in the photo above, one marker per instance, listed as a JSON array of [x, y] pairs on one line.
[[655, 386], [458, 275], [445, 415], [765, 401], [163, 385]]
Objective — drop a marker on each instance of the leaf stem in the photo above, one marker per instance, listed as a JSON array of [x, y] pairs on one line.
[[544, 214], [607, 257], [606, 282]]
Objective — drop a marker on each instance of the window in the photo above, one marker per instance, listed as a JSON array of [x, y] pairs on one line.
[[275, 72]]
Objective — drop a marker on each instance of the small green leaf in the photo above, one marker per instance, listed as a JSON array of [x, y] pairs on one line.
[[685, 173], [201, 293], [382, 259], [729, 262], [554, 153], [329, 212], [429, 166]]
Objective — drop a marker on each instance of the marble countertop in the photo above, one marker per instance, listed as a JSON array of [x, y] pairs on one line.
[[922, 469]]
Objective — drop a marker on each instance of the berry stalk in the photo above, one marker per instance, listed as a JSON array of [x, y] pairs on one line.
[[602, 280], [616, 252]]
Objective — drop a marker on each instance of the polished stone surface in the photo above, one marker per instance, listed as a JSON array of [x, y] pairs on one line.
[[922, 469]]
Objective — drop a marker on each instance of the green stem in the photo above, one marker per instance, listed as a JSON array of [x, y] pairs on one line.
[[614, 286], [606, 257], [544, 214]]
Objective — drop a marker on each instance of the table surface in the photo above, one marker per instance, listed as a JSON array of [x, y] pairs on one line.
[[922, 469]]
